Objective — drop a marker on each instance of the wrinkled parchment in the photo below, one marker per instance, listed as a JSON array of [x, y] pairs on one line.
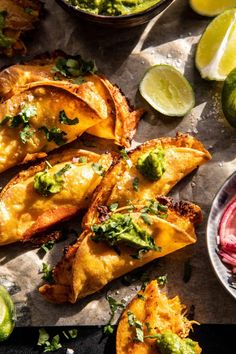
[[124, 55]]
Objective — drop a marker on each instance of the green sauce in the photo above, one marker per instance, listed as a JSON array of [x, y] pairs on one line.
[[112, 7], [152, 164], [171, 343]]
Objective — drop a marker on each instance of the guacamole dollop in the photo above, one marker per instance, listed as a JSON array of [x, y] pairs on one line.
[[171, 343], [112, 7], [152, 164]]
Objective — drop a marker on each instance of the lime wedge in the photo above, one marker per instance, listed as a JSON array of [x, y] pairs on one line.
[[211, 7], [228, 98], [215, 56], [7, 314], [167, 91]]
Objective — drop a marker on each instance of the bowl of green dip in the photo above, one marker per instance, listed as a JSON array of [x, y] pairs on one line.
[[115, 13]]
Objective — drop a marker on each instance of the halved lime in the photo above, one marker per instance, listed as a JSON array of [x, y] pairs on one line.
[[228, 98], [211, 7], [167, 90], [215, 56], [7, 314]]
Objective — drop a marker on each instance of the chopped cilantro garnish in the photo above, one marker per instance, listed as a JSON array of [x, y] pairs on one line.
[[47, 273], [98, 169], [65, 120], [140, 296], [113, 206], [156, 208], [133, 322], [162, 280], [136, 184], [72, 68], [71, 333], [146, 218], [83, 159], [124, 154], [46, 247], [27, 133], [54, 134], [121, 229], [114, 305], [149, 328]]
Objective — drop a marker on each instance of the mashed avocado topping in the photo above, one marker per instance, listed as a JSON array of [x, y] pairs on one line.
[[121, 229], [171, 343], [152, 165], [112, 7], [46, 183]]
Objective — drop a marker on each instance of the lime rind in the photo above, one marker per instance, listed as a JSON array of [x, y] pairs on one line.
[[8, 314], [211, 8], [213, 69], [228, 98], [173, 97]]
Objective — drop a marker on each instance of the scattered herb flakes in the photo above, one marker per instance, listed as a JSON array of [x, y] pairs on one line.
[[73, 333], [26, 133], [120, 228], [156, 208], [114, 305], [5, 120], [146, 218], [141, 297], [162, 280], [63, 170], [24, 116], [187, 271], [54, 134], [149, 328], [83, 159], [73, 68], [46, 247], [64, 119], [98, 169], [133, 322], [136, 184], [124, 154], [47, 273], [79, 80], [113, 206], [43, 337]]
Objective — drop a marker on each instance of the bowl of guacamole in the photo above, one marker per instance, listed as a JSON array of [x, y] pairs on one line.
[[115, 13]]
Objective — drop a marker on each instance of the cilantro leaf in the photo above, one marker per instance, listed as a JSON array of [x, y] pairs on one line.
[[54, 345], [114, 305], [136, 184], [73, 333], [65, 120], [46, 247], [73, 68], [27, 133], [5, 42], [146, 219], [23, 116], [133, 322], [43, 337], [47, 273], [113, 206], [54, 134], [156, 208], [124, 154], [98, 169], [162, 280]]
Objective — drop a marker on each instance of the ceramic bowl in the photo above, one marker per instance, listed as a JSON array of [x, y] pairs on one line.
[[222, 199], [123, 21]]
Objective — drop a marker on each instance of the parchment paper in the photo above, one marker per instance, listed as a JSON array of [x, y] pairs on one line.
[[124, 55]]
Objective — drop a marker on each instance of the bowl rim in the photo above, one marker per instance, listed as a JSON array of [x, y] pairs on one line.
[[103, 17], [231, 291]]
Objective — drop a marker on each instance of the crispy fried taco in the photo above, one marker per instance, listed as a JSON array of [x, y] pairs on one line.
[[59, 68], [152, 169], [44, 117], [125, 240], [155, 324], [49, 192], [17, 17]]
